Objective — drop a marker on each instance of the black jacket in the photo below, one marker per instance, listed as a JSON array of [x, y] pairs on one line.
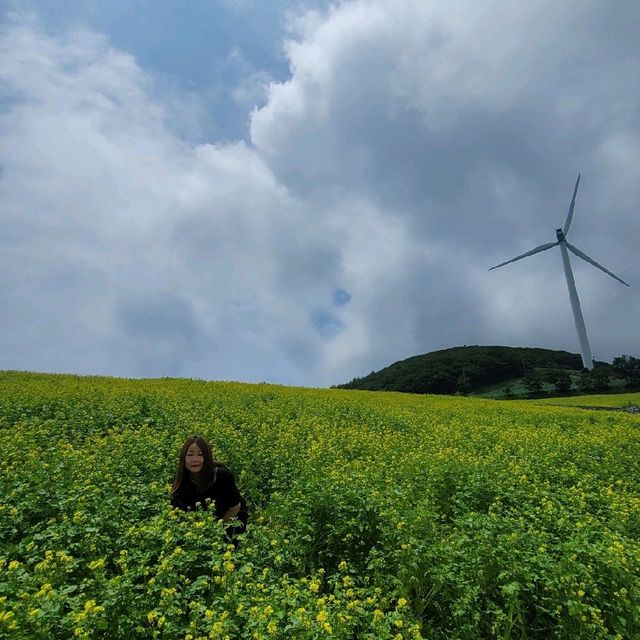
[[223, 492]]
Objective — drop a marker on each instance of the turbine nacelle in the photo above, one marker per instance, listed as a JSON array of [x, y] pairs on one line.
[[560, 235]]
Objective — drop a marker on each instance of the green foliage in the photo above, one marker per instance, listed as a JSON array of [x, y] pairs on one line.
[[373, 516], [463, 369], [627, 367], [561, 380], [533, 382], [586, 382], [597, 379], [601, 377]]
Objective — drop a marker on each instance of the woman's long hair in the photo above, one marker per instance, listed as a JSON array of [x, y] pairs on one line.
[[207, 475]]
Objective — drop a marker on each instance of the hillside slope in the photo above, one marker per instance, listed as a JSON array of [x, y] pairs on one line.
[[463, 369]]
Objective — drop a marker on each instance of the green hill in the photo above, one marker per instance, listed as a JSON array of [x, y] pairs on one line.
[[464, 369]]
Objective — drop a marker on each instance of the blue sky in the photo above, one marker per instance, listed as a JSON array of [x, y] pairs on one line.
[[304, 192], [206, 48]]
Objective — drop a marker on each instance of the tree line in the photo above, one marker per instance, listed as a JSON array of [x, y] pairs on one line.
[[470, 369], [623, 367]]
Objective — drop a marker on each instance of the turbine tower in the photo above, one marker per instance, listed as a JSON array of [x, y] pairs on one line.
[[561, 235]]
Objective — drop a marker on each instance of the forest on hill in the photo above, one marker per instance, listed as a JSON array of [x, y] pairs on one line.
[[468, 369]]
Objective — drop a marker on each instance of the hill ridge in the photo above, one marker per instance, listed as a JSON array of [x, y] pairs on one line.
[[463, 369]]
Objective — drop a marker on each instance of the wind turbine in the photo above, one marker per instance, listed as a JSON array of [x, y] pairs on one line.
[[561, 234]]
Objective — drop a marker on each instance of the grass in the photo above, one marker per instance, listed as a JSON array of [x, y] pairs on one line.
[[598, 400]]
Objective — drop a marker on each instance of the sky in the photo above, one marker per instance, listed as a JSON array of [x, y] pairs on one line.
[[304, 192]]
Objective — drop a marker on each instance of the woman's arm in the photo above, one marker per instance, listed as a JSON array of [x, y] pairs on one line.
[[231, 512], [227, 495]]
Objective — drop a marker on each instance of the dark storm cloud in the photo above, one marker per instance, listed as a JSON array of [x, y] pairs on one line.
[[161, 329], [376, 133], [470, 128], [303, 260], [408, 152], [158, 315]]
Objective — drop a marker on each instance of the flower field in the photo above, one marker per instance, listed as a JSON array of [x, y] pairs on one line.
[[372, 515]]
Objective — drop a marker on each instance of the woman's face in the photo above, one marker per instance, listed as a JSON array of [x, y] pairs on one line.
[[194, 459]]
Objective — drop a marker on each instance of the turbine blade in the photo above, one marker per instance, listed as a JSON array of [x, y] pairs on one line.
[[542, 247], [567, 224], [585, 257]]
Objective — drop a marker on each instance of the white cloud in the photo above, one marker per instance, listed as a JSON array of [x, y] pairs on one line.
[[469, 123], [112, 220], [409, 151]]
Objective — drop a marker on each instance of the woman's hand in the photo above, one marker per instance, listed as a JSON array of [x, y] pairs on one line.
[[232, 512]]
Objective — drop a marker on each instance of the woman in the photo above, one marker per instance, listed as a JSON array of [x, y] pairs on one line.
[[201, 479]]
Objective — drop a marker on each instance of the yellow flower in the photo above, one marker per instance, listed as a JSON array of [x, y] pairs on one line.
[[216, 629]]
